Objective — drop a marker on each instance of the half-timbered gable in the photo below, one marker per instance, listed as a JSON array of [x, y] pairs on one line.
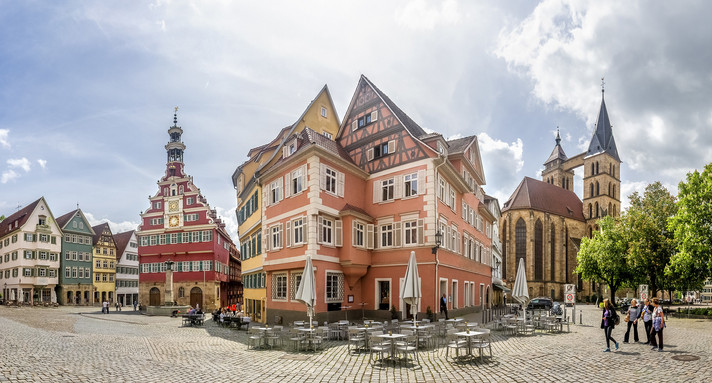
[[377, 134]]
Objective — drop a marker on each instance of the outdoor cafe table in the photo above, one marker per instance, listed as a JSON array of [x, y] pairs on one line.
[[419, 330], [469, 336], [309, 337], [263, 334], [392, 340]]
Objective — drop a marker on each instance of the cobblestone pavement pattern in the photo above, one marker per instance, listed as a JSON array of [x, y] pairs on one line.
[[70, 344]]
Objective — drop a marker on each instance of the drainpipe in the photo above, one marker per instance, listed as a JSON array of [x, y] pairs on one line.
[[437, 227]]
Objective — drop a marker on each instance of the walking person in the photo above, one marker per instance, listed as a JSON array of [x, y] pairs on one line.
[[646, 313], [135, 303], [608, 323], [632, 316], [443, 306], [658, 326]]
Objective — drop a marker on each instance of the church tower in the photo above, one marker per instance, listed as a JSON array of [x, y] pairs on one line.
[[602, 185], [555, 171]]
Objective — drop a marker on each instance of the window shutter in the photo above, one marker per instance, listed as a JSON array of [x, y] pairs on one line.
[[280, 187], [281, 236], [338, 233], [288, 184], [377, 191], [391, 146], [421, 232], [448, 239], [374, 115], [397, 234], [353, 233], [267, 239], [369, 236], [305, 230], [285, 152], [457, 244], [320, 227], [464, 210], [398, 189], [304, 177], [265, 193], [369, 154], [340, 184], [288, 237], [322, 176], [354, 125], [421, 181]]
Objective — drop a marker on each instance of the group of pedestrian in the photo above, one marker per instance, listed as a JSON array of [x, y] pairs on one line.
[[652, 315]]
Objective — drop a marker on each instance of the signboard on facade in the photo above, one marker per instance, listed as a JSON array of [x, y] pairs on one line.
[[643, 292]]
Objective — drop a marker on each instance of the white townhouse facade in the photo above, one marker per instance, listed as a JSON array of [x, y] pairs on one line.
[[126, 268]]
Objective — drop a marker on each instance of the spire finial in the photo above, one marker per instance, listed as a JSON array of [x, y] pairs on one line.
[[603, 84], [558, 136]]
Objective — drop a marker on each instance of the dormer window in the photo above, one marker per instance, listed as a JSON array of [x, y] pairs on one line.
[[42, 220]]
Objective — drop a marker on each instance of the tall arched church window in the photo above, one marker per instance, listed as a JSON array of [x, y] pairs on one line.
[[591, 190], [598, 189], [609, 188], [520, 239], [596, 167], [552, 251], [504, 249], [610, 209], [596, 207], [614, 191], [593, 169], [538, 250], [590, 211], [590, 232]]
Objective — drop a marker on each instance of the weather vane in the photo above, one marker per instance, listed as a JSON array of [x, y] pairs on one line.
[[602, 85], [176, 109]]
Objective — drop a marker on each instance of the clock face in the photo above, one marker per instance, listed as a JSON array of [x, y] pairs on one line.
[[173, 221], [173, 206]]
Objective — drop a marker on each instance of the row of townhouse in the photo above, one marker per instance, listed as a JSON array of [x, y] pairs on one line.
[[357, 197], [65, 260]]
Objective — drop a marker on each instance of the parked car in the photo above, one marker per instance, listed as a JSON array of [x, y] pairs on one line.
[[540, 303], [556, 309]]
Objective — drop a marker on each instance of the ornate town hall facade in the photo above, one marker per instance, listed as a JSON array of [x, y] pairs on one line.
[[544, 221], [179, 226]]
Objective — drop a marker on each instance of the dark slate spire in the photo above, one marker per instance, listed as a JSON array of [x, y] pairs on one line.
[[602, 140], [558, 152]]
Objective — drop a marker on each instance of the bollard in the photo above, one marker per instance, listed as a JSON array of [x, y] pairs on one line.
[[580, 316]]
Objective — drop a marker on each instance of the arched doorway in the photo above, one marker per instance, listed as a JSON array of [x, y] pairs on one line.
[[154, 297], [196, 297], [69, 297]]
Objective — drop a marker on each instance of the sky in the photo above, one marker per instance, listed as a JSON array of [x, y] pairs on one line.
[[88, 89]]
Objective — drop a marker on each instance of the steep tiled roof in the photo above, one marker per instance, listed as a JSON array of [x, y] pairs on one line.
[[308, 138], [8, 224], [122, 240], [460, 144], [408, 123], [63, 220], [98, 229], [541, 196]]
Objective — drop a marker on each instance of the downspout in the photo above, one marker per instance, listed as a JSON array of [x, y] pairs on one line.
[[437, 227]]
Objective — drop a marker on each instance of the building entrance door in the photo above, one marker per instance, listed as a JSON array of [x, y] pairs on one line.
[[154, 297], [196, 297]]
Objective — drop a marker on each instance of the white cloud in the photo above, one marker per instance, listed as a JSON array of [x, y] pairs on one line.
[[22, 163], [8, 175], [42, 163], [230, 220], [502, 162], [116, 227], [4, 133], [424, 14], [657, 99]]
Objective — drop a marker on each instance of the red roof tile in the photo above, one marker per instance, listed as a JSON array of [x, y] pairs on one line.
[[541, 196]]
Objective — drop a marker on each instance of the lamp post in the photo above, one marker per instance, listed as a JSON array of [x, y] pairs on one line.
[[438, 241], [4, 292]]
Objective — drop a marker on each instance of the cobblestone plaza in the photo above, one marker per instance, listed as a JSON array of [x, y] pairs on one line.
[[73, 344]]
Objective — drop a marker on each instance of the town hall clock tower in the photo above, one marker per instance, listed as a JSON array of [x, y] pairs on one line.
[[179, 230]]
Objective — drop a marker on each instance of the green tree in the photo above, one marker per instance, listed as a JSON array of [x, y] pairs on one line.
[[692, 227], [604, 257], [651, 244]]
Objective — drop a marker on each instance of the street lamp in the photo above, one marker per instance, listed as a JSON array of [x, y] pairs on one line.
[[438, 241]]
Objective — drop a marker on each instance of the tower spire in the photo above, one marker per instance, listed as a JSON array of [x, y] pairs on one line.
[[175, 145], [603, 86], [558, 136]]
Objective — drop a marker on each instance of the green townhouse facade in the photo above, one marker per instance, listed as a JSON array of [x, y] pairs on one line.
[[75, 285]]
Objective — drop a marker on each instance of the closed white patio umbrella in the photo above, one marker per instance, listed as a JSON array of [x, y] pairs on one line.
[[306, 292], [411, 293], [520, 291]]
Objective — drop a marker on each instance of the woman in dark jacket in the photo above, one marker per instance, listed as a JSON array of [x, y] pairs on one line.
[[608, 324]]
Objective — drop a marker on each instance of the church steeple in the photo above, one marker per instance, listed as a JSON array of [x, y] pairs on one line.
[[602, 140], [175, 148]]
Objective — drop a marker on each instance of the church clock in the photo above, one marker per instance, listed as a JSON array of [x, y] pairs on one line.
[[173, 221]]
